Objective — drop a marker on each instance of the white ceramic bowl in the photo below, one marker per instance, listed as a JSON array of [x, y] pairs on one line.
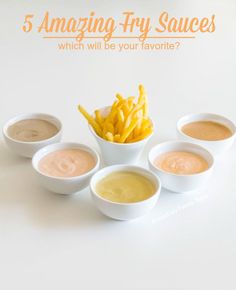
[[28, 149], [124, 211], [119, 153], [64, 185], [177, 182], [215, 147]]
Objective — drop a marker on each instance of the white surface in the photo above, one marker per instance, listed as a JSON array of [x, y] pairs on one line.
[[52, 242]]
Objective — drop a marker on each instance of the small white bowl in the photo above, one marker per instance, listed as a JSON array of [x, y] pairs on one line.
[[215, 147], [124, 211], [119, 153], [64, 185], [181, 182], [28, 149]]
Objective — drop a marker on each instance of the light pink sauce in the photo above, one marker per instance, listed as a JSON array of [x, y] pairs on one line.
[[181, 162], [67, 163]]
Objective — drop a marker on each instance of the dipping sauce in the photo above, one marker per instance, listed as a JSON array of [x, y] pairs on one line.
[[125, 187], [67, 163], [181, 162], [207, 130], [32, 130]]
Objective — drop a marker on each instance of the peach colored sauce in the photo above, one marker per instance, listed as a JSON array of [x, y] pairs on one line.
[[32, 130], [207, 130], [67, 163], [181, 162]]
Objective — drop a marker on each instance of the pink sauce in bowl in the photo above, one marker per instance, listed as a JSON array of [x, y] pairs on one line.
[[67, 163]]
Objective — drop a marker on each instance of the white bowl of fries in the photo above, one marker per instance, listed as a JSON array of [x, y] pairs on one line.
[[119, 153], [121, 130]]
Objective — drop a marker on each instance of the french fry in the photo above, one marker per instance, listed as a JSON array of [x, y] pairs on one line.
[[120, 114], [109, 136], [117, 138], [99, 118], [140, 98], [136, 108], [110, 128], [130, 137], [130, 101], [127, 121], [140, 122], [127, 131], [119, 97], [145, 124], [142, 136], [91, 120]]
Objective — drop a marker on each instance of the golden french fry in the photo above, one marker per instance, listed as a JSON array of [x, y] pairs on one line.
[[130, 137], [120, 114], [117, 138], [145, 124], [119, 97], [110, 127], [138, 128], [127, 131], [109, 136], [91, 120], [126, 121], [118, 127], [141, 89], [143, 135], [130, 103], [99, 118], [131, 114]]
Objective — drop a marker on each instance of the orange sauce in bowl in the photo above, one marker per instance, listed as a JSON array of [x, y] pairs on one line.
[[207, 130], [181, 162]]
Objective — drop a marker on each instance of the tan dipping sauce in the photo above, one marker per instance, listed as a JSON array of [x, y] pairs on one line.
[[32, 130], [67, 163], [207, 130], [181, 162]]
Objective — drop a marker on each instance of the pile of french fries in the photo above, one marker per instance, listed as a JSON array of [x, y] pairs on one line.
[[126, 121]]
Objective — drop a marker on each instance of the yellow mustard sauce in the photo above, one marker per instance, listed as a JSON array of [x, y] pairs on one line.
[[125, 187]]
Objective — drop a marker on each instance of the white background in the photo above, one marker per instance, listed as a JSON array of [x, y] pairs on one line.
[[52, 242]]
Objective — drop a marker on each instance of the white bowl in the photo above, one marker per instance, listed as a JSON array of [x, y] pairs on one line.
[[64, 185], [119, 153], [178, 182], [124, 211], [215, 147], [28, 149]]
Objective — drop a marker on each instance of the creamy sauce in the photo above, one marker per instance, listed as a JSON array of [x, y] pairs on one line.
[[181, 162], [32, 130], [207, 130], [125, 187], [67, 163]]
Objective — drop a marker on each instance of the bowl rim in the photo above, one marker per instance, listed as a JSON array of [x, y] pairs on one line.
[[121, 167], [179, 126], [26, 116], [69, 145], [150, 161]]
